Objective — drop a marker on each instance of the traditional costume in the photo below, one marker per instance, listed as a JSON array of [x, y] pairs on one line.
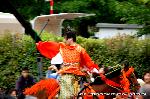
[[74, 59]]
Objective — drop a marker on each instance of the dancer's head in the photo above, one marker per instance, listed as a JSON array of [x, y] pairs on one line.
[[70, 37]]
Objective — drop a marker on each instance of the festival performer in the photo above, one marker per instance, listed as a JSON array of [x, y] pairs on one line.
[[74, 58]]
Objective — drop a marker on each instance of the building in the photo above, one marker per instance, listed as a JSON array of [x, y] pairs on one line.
[[9, 24], [107, 30]]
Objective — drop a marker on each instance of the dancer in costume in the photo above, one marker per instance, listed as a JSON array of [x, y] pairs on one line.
[[74, 58]]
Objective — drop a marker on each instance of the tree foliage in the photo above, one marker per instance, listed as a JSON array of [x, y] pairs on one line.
[[110, 11], [107, 11]]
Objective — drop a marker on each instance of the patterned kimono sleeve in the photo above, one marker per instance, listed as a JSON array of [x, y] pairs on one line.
[[48, 49], [87, 61]]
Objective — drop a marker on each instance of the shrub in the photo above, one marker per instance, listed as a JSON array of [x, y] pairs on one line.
[[17, 52]]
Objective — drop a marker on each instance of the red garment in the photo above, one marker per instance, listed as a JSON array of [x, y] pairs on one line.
[[70, 54], [48, 87], [89, 92], [48, 49]]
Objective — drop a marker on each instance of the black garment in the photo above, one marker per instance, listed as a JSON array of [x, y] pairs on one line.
[[6, 96], [23, 83]]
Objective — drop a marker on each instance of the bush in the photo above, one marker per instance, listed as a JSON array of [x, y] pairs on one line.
[[20, 51]]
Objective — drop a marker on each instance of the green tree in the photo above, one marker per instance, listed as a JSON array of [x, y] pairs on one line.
[[107, 11], [27, 8]]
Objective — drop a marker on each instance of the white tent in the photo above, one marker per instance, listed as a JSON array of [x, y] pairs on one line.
[[9, 24], [55, 21]]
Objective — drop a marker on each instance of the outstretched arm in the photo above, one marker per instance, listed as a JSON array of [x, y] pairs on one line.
[[87, 61], [48, 49]]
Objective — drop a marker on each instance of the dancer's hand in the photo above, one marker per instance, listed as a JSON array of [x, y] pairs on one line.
[[101, 70], [53, 67]]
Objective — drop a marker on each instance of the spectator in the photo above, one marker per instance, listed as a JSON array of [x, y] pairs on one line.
[[145, 89], [52, 72], [56, 63], [24, 81], [1, 93], [13, 93]]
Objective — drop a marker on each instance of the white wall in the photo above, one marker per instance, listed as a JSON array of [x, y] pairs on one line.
[[111, 32], [9, 24], [11, 28]]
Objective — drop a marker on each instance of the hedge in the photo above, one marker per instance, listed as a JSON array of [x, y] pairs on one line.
[[17, 51]]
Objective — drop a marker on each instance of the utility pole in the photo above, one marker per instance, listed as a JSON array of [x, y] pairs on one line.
[[51, 2], [40, 66]]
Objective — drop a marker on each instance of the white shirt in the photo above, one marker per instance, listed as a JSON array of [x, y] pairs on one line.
[[57, 59]]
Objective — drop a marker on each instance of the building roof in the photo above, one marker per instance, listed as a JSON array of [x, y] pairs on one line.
[[110, 25], [7, 18], [69, 16]]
